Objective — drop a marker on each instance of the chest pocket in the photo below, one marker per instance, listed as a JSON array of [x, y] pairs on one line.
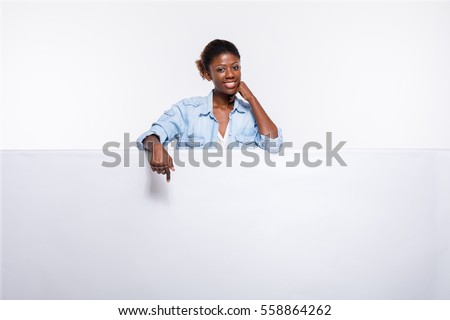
[[194, 141], [245, 139]]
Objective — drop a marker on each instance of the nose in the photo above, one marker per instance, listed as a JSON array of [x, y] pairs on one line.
[[229, 73]]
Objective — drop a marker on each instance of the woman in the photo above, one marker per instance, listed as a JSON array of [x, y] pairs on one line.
[[219, 117]]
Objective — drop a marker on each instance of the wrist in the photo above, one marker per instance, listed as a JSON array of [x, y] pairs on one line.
[[251, 99], [150, 141]]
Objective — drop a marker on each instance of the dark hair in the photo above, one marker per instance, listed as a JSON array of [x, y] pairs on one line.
[[212, 50]]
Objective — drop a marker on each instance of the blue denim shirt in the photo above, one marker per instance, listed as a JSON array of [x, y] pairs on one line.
[[192, 123]]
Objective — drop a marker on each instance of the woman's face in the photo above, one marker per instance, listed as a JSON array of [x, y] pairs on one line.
[[225, 73]]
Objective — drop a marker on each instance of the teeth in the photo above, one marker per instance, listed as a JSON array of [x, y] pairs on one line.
[[230, 84]]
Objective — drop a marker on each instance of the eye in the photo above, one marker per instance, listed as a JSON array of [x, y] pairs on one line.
[[220, 69], [236, 67]]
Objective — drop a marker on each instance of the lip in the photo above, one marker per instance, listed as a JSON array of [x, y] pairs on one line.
[[230, 84]]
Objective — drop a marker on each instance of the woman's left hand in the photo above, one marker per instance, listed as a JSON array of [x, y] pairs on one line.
[[245, 91]]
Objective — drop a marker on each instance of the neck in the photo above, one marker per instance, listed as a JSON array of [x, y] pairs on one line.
[[221, 100]]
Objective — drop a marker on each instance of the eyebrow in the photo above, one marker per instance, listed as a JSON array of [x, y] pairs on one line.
[[225, 64]]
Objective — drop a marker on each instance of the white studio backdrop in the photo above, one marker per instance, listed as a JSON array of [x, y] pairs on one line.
[[78, 74]]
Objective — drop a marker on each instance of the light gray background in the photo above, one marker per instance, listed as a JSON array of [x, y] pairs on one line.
[[78, 74]]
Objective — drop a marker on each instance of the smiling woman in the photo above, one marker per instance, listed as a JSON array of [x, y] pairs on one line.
[[217, 120]]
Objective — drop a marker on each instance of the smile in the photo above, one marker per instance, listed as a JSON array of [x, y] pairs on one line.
[[230, 85]]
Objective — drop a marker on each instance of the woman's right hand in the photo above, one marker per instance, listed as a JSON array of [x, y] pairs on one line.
[[160, 161]]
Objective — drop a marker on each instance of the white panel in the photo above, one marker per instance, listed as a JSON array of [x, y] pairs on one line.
[[376, 229]]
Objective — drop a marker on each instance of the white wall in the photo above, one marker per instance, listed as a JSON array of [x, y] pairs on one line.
[[78, 74]]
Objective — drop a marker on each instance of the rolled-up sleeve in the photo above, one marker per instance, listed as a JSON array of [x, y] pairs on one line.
[[169, 126], [268, 144]]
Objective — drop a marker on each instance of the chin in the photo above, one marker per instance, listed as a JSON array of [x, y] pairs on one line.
[[232, 92]]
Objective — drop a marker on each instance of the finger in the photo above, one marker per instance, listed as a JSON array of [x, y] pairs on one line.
[[168, 174], [171, 166], [156, 168]]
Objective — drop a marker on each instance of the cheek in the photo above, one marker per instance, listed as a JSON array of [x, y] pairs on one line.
[[216, 76], [219, 79]]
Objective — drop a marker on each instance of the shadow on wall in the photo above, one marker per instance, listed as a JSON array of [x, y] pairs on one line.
[[156, 186]]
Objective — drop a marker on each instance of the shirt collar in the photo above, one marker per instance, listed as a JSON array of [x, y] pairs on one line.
[[208, 107]]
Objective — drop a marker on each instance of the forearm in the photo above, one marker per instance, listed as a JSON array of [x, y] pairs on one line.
[[265, 124], [150, 141]]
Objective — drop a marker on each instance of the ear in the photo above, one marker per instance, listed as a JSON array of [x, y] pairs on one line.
[[206, 76]]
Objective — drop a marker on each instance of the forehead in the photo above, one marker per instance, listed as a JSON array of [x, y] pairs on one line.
[[224, 58]]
